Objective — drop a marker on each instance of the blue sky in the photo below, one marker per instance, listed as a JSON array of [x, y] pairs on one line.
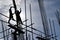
[[50, 6]]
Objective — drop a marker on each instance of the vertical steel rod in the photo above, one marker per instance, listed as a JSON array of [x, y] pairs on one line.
[[29, 37], [31, 21], [3, 30], [44, 19], [12, 35], [25, 19], [54, 30], [51, 29], [6, 33]]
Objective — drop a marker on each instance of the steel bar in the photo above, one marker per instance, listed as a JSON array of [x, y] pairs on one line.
[[44, 18], [31, 21], [8, 17], [3, 30], [6, 32], [25, 18], [29, 37], [24, 25], [51, 29], [54, 30]]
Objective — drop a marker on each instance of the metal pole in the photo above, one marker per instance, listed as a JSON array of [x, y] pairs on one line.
[[31, 21], [7, 33], [44, 19], [29, 37], [51, 29], [3, 30], [12, 38], [54, 30], [57, 16], [25, 19]]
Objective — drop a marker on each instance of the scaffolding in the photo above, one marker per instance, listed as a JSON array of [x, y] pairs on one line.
[[9, 31], [17, 32]]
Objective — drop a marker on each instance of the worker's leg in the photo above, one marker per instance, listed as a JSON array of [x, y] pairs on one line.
[[20, 21], [9, 20]]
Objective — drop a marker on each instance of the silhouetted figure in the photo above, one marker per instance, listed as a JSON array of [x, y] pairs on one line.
[[10, 15], [19, 21]]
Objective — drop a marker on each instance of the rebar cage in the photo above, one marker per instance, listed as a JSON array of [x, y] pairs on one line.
[[6, 32]]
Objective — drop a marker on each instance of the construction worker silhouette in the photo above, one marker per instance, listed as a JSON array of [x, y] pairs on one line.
[[10, 15], [19, 21]]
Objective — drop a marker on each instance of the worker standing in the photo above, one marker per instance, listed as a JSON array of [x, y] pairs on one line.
[[10, 15]]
